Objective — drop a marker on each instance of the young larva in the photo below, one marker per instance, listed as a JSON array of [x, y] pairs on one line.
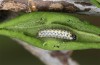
[[56, 33]]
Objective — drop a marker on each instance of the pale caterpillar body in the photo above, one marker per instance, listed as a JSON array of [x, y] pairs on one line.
[[56, 33]]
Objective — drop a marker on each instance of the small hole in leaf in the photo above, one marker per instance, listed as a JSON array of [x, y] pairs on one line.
[[56, 46]]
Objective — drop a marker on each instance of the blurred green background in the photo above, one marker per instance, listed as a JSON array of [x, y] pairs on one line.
[[11, 53]]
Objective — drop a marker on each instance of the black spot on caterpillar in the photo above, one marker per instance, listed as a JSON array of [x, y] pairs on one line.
[[56, 33]]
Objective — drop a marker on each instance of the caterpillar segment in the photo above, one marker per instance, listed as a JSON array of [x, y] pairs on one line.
[[56, 33]]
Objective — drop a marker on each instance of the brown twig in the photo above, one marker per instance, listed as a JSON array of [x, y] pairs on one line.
[[72, 6]]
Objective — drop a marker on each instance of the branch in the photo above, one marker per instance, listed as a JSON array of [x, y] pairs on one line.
[[49, 57], [72, 6]]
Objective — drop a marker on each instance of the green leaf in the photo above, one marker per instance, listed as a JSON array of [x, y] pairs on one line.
[[28, 26], [96, 2]]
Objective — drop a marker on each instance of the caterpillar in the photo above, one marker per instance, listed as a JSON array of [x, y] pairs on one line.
[[56, 33]]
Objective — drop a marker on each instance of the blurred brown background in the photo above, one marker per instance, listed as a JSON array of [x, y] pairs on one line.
[[12, 53]]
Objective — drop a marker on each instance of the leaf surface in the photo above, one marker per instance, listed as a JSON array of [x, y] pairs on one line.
[[27, 27]]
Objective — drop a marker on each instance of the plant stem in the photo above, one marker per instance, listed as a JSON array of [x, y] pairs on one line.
[[72, 6]]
